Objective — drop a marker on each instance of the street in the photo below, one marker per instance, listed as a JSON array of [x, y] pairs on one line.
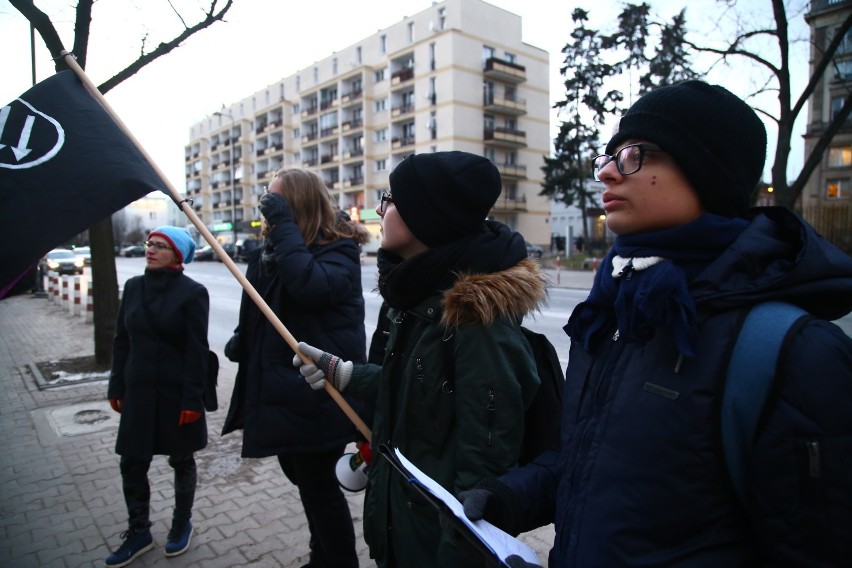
[[225, 293]]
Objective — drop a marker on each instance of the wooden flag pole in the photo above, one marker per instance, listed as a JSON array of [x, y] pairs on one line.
[[220, 252]]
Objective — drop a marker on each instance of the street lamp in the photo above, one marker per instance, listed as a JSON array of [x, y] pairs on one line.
[[233, 179]]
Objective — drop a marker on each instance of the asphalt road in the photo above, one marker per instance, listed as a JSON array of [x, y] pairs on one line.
[[225, 291]]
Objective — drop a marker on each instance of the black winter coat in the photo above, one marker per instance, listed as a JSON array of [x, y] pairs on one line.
[[316, 293], [641, 480], [159, 367]]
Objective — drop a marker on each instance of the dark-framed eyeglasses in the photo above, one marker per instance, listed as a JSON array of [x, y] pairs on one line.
[[628, 160], [158, 246], [386, 198]]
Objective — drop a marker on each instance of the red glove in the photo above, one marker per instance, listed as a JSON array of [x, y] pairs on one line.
[[188, 417], [117, 404]]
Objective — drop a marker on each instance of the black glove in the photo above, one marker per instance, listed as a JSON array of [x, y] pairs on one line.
[[480, 503], [516, 561], [232, 348], [275, 208]]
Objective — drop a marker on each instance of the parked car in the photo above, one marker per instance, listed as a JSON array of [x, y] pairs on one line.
[[133, 250], [205, 253], [85, 253], [534, 251], [230, 250], [245, 248], [63, 261]]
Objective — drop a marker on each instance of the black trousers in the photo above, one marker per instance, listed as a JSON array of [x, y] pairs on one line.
[[329, 520], [137, 492]]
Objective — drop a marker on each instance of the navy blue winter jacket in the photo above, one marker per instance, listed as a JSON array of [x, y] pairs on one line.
[[316, 292], [640, 479]]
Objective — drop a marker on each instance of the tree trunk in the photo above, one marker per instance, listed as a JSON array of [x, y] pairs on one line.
[[105, 294]]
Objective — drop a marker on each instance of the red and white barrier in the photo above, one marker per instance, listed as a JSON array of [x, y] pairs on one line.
[[90, 304]]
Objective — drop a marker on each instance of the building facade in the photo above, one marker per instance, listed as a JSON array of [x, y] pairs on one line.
[[456, 76], [826, 200]]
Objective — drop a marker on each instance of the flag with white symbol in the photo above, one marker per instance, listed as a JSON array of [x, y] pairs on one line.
[[64, 166]]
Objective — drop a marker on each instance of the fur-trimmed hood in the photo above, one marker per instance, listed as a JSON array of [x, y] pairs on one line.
[[482, 298]]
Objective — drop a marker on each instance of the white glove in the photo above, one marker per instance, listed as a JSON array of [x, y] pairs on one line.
[[325, 366]]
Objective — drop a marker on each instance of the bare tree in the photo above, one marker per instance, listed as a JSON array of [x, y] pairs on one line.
[[790, 104], [101, 234]]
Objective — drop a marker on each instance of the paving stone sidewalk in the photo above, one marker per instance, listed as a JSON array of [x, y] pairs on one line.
[[60, 488]]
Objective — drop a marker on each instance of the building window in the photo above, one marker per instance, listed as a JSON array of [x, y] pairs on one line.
[[381, 135], [381, 105], [837, 189], [487, 52], [383, 44], [442, 18], [511, 57], [410, 32], [381, 165], [845, 44], [433, 125], [433, 92], [316, 74], [844, 69], [840, 157], [380, 74], [334, 66], [836, 105], [358, 55], [432, 56]]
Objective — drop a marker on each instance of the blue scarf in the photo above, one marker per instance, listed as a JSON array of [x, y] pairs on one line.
[[639, 302]]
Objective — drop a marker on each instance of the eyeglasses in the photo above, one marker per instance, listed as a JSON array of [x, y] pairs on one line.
[[386, 198], [158, 246], [628, 160]]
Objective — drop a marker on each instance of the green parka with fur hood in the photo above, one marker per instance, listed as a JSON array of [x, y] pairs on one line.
[[457, 437]]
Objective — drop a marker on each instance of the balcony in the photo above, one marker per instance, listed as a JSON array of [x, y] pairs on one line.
[[351, 125], [354, 153], [310, 111], [310, 137], [505, 137], [328, 158], [351, 96], [401, 142], [330, 103], [505, 71], [328, 132], [512, 171], [310, 162], [402, 76], [401, 110], [513, 106], [510, 204]]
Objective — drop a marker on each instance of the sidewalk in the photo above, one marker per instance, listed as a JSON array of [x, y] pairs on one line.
[[61, 503]]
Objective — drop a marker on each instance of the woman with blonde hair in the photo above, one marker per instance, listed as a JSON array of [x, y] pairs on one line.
[[308, 270]]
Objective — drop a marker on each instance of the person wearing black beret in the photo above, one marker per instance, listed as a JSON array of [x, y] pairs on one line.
[[656, 467], [444, 269]]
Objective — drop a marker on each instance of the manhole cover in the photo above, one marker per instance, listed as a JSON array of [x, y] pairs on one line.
[[82, 418]]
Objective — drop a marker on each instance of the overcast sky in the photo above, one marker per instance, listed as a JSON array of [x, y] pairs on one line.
[[264, 41]]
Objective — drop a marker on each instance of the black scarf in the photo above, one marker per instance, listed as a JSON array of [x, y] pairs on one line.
[[405, 283], [640, 301]]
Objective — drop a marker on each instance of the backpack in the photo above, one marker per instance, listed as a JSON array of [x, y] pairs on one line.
[[542, 418], [751, 372]]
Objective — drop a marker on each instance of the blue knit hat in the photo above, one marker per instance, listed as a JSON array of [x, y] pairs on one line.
[[180, 240]]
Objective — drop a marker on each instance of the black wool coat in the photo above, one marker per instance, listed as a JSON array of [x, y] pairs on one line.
[[160, 364]]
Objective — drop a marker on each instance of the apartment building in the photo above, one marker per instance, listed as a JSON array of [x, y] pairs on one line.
[[827, 198], [456, 76]]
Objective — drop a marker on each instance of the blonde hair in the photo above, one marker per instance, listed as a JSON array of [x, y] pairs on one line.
[[319, 221]]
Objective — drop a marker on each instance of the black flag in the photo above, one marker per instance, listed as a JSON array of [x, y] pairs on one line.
[[64, 165]]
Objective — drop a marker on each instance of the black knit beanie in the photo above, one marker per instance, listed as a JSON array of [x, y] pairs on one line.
[[444, 196], [716, 139]]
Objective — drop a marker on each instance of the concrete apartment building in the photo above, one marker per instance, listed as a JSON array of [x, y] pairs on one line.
[[456, 76], [827, 198]]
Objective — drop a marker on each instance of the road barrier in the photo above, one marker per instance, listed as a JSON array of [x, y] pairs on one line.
[[69, 292]]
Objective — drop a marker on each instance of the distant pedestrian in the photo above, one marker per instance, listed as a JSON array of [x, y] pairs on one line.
[[308, 271], [159, 366]]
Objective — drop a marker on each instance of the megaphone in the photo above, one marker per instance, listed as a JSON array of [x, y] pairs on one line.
[[351, 469]]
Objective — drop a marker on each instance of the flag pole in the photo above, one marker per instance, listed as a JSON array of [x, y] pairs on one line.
[[183, 204]]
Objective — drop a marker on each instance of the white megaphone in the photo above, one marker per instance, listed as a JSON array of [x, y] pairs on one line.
[[351, 472]]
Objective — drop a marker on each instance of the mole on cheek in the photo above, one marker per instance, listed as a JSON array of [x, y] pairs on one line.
[[654, 180]]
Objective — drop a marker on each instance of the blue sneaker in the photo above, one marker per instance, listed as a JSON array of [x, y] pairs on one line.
[[178, 540], [134, 545]]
